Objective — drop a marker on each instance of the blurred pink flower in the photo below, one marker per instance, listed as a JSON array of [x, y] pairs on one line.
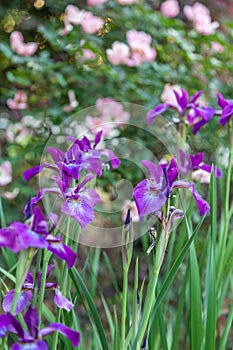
[[170, 8], [91, 24], [5, 173], [10, 194], [73, 102], [112, 111], [201, 176], [133, 211], [127, 2], [95, 2], [217, 47], [96, 124], [88, 54], [67, 28], [200, 16], [18, 45], [112, 116], [18, 102], [139, 43], [168, 95], [119, 53], [74, 15]]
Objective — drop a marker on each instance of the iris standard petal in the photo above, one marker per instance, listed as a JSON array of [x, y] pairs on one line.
[[159, 109]]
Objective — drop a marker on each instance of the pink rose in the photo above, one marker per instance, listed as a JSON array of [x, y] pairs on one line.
[[139, 43], [5, 173], [201, 176], [170, 8], [119, 53], [18, 45], [200, 16], [168, 95], [217, 47], [74, 15], [137, 39], [111, 116], [91, 24], [18, 102]]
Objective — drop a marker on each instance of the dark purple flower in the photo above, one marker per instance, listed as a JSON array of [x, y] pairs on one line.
[[197, 116], [33, 338], [26, 294], [151, 194], [227, 109], [189, 163], [35, 233], [19, 236]]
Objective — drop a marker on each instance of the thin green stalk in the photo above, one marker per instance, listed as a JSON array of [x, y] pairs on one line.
[[150, 296], [25, 259], [63, 282], [136, 302], [222, 257], [47, 256], [35, 293], [124, 304]]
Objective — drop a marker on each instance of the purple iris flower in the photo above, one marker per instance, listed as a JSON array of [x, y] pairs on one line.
[[151, 194], [26, 294], [33, 338], [227, 109], [35, 233], [189, 163], [197, 116], [78, 202], [80, 155]]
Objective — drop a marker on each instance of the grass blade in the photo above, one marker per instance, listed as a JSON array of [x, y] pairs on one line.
[[81, 287], [210, 328]]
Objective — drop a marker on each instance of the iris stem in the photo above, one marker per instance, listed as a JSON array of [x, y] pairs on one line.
[[35, 293], [227, 210], [47, 256], [124, 303], [150, 296], [63, 282], [25, 259]]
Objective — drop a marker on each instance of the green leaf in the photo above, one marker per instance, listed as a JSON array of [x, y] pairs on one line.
[[81, 288], [210, 328]]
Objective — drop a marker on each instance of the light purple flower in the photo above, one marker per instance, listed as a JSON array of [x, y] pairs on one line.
[[33, 337], [80, 155], [151, 194], [24, 298], [227, 109]]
